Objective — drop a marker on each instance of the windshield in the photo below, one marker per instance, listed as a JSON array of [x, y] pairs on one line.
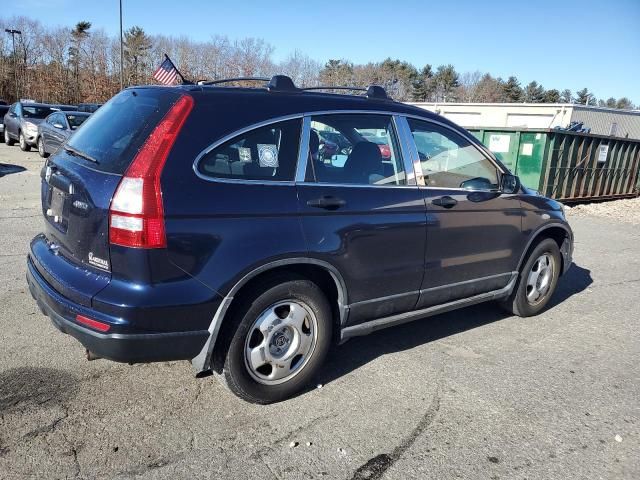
[[31, 111], [76, 120]]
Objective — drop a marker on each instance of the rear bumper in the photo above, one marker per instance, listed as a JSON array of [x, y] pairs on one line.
[[119, 347]]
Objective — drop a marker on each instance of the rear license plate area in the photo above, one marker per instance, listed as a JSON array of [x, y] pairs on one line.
[[58, 211]]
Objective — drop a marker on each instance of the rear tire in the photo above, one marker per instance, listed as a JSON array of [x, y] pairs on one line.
[[537, 280], [277, 340], [7, 139], [43, 153], [24, 146]]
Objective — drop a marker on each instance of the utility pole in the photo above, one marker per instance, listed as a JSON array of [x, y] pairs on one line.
[[121, 51], [13, 34]]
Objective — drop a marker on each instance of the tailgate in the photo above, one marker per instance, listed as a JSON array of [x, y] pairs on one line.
[[75, 204]]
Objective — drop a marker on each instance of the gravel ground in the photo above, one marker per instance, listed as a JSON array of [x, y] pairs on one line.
[[472, 394], [626, 210]]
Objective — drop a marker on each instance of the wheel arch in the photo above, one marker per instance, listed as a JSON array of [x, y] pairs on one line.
[[322, 273], [560, 233]]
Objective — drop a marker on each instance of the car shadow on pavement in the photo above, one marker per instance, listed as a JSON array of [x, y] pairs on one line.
[[361, 350], [8, 169]]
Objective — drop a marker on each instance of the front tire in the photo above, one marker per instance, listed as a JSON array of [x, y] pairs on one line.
[[7, 139], [283, 331], [537, 280], [43, 153], [24, 146]]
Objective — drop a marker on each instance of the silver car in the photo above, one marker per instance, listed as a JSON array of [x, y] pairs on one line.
[[21, 123], [56, 129]]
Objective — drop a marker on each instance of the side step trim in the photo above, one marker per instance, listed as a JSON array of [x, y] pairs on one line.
[[380, 323]]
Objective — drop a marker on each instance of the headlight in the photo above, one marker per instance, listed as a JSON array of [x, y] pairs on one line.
[[31, 127]]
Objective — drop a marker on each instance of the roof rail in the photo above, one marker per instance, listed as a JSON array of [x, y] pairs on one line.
[[236, 79], [283, 83]]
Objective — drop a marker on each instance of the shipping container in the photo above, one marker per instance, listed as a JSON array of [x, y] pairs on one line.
[[568, 166]]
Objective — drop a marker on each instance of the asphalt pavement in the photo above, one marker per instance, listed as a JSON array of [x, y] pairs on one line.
[[474, 394]]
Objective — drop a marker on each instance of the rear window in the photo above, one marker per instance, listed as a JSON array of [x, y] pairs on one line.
[[116, 131]]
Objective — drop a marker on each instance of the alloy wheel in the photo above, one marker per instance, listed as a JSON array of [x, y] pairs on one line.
[[540, 278], [280, 342]]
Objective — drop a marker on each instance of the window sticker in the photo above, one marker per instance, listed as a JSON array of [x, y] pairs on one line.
[[499, 143], [267, 155], [245, 154]]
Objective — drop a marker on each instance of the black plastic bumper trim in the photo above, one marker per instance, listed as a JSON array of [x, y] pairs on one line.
[[119, 347]]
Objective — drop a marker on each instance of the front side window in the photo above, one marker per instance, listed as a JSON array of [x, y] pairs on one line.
[[266, 153], [357, 149], [448, 160], [58, 119]]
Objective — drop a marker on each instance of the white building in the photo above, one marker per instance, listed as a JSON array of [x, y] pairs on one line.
[[601, 121]]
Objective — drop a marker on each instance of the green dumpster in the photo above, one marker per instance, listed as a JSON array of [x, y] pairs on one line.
[[565, 165]]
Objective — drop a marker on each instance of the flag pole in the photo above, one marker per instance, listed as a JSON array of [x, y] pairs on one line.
[[184, 82]]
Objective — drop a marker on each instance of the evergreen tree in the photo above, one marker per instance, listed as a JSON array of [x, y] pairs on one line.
[[552, 96], [136, 47], [611, 102], [78, 35], [512, 90], [565, 96], [534, 93], [447, 81], [423, 85], [624, 103], [584, 97]]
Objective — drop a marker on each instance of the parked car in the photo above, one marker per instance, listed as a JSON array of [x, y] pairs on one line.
[[169, 235], [56, 129], [88, 107], [21, 123], [3, 111], [65, 108]]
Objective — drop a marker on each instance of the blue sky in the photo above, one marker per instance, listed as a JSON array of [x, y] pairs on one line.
[[561, 44]]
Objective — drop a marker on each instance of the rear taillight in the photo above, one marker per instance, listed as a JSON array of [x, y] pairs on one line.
[[136, 215]]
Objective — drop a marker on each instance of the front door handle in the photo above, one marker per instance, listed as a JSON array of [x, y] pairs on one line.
[[327, 202], [446, 202]]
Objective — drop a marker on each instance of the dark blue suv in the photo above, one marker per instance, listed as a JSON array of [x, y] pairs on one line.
[[247, 229]]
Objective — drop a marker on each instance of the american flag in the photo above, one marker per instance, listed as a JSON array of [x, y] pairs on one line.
[[167, 73]]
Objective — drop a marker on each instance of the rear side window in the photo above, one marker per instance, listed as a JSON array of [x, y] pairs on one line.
[[267, 153], [116, 131]]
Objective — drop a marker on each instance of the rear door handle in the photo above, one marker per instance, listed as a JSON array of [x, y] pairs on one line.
[[446, 202], [327, 202]]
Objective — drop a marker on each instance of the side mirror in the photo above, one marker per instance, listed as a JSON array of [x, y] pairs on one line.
[[510, 183], [58, 125]]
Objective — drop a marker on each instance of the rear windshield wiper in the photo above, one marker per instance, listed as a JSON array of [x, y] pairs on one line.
[[80, 154]]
